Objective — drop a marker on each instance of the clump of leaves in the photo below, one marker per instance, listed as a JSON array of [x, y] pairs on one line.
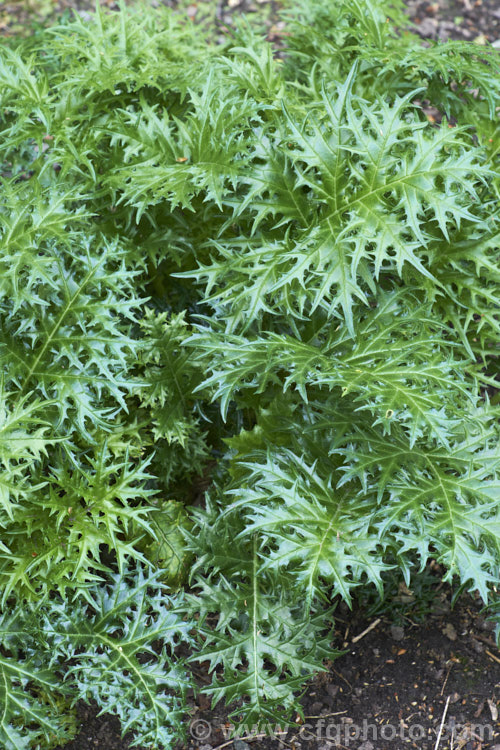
[[280, 270]]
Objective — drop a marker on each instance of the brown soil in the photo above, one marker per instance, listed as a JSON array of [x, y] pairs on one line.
[[392, 688], [397, 684], [476, 20], [472, 20]]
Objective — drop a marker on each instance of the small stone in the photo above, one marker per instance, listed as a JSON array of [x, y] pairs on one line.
[[481, 39], [450, 632], [332, 690], [397, 632], [240, 745], [316, 707], [488, 625], [367, 745], [427, 27]]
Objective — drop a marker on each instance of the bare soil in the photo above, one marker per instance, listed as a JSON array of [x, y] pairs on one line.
[[398, 684], [393, 689], [471, 20], [474, 20]]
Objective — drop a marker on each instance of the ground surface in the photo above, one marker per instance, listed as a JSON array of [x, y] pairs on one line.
[[398, 683], [475, 20], [439, 19], [388, 692]]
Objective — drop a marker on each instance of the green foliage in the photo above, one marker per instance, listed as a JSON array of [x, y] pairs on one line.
[[98, 646], [264, 640], [278, 277], [401, 603], [166, 549]]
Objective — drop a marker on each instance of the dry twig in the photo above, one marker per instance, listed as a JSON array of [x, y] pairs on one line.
[[442, 723], [367, 630]]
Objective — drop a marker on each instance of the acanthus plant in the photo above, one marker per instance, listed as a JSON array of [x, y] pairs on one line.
[[279, 273]]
